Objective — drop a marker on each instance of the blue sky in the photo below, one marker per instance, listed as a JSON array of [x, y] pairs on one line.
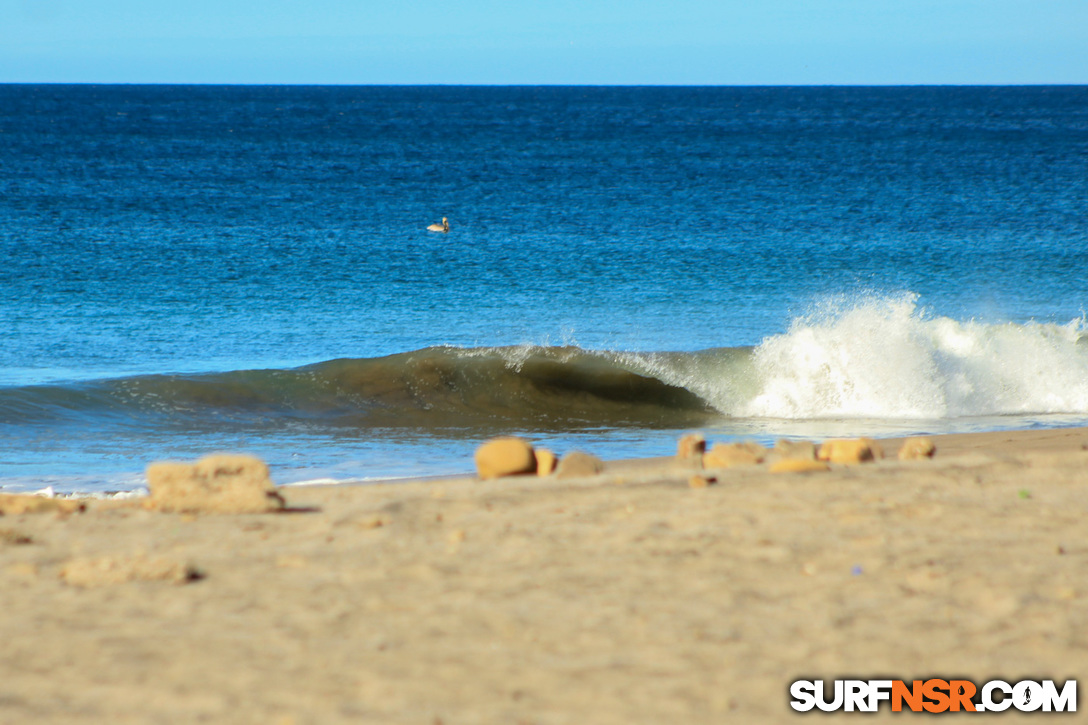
[[722, 42]]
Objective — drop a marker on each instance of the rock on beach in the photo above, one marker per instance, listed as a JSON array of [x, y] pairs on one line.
[[507, 456], [221, 483], [577, 464], [914, 449], [691, 447], [849, 451]]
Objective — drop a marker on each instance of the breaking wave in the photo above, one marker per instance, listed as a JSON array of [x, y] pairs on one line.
[[876, 359], [887, 359]]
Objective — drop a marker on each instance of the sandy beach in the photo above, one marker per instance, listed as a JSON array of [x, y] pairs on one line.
[[625, 597]]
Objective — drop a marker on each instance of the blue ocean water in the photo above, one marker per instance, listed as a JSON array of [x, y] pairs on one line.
[[186, 269]]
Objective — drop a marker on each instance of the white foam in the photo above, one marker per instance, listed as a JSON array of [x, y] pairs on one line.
[[314, 482], [885, 358]]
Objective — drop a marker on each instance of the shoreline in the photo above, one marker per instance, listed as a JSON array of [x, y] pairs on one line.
[[624, 597], [135, 483]]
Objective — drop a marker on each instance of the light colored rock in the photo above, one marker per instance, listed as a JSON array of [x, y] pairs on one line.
[[914, 449], [727, 455], [545, 462], [577, 464], [507, 456], [692, 445], [847, 451], [798, 465], [221, 483], [787, 450]]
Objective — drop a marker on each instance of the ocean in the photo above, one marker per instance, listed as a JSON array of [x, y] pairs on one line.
[[189, 269]]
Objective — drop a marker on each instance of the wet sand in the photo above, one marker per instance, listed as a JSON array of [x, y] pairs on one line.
[[628, 597]]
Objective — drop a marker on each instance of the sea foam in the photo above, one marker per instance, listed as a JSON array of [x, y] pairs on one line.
[[886, 358]]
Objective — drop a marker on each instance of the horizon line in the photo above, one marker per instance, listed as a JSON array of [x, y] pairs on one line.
[[548, 85]]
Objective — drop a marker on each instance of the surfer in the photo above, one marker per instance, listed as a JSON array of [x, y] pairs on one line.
[[443, 227]]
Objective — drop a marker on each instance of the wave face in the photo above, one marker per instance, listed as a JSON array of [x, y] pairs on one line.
[[434, 388], [874, 359]]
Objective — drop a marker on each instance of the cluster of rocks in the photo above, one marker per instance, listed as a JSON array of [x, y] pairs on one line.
[[513, 456], [795, 455], [241, 484]]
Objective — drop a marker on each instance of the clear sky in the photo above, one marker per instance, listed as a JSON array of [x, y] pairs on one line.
[[676, 42]]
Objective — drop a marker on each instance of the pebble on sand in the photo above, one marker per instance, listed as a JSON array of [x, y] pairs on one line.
[[914, 449], [221, 483]]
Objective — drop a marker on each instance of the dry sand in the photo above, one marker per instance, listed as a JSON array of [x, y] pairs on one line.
[[629, 597]]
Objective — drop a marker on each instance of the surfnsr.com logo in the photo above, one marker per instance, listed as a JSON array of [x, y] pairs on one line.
[[933, 696]]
